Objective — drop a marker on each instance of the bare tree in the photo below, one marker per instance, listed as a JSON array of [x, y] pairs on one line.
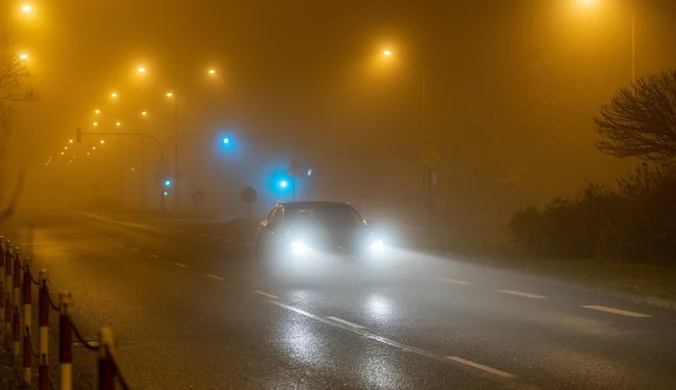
[[13, 88], [640, 120]]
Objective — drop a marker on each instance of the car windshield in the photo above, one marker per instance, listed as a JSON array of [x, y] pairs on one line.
[[330, 216]]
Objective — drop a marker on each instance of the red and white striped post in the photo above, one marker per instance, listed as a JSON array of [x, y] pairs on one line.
[[28, 321], [8, 292], [17, 303], [65, 343], [106, 365], [44, 331]]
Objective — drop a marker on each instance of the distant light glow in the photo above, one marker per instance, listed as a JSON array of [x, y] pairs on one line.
[[309, 172], [169, 94], [87, 153], [26, 8], [66, 148], [387, 53], [144, 113], [133, 169], [95, 123], [93, 147], [283, 184], [167, 183], [226, 140], [62, 153], [70, 141], [118, 124], [97, 111], [141, 69], [23, 56], [165, 193], [113, 94], [102, 142], [212, 71]]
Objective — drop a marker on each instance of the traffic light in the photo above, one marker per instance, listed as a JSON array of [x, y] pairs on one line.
[[78, 135], [167, 183]]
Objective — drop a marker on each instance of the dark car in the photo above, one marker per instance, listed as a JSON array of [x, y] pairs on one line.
[[304, 234]]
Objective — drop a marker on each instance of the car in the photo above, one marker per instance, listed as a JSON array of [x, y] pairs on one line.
[[300, 235]]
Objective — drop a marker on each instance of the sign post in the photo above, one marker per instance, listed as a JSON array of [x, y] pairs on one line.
[[293, 172], [248, 195], [197, 197], [430, 156]]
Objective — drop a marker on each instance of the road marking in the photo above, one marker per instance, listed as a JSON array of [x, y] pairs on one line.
[[617, 311], [482, 367], [181, 265], [453, 281], [216, 237], [155, 256], [266, 294], [230, 240], [204, 235], [214, 277], [135, 249], [403, 347], [522, 294], [348, 323], [249, 243]]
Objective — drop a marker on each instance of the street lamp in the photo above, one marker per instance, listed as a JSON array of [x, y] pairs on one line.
[[114, 94], [26, 8], [143, 113], [212, 71], [23, 56], [118, 124], [226, 140], [95, 123], [141, 69], [387, 53], [70, 141], [102, 142], [97, 111]]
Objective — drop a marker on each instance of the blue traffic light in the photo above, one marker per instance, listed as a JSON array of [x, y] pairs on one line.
[[167, 183], [283, 184]]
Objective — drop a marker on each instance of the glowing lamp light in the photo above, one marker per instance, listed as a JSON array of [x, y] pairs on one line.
[[167, 183], [165, 193], [387, 53], [26, 8], [23, 56], [283, 184], [226, 140]]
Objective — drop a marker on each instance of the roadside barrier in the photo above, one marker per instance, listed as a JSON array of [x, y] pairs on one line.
[[16, 286]]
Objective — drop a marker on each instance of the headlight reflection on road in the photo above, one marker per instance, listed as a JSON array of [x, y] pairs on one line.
[[379, 307], [302, 342]]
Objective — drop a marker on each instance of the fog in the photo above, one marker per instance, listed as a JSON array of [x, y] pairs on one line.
[[509, 91]]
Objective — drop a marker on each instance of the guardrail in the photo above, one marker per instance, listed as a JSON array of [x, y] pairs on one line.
[[16, 287]]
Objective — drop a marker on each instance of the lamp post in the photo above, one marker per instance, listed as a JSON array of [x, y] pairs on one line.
[[170, 94]]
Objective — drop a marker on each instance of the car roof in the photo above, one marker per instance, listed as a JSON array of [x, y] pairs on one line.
[[313, 204]]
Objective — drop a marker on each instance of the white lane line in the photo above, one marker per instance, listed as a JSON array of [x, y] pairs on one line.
[[135, 249], [522, 294], [214, 277], [249, 243], [482, 367], [617, 311], [348, 323], [452, 281], [181, 265], [266, 294], [216, 237], [155, 256]]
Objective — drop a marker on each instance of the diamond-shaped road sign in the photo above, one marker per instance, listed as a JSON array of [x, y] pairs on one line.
[[430, 156]]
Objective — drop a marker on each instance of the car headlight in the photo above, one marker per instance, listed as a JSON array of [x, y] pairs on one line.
[[377, 246], [299, 247]]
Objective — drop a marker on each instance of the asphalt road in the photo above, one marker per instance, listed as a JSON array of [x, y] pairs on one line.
[[189, 312]]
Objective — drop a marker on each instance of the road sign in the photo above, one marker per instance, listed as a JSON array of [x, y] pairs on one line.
[[294, 170], [430, 156], [249, 195]]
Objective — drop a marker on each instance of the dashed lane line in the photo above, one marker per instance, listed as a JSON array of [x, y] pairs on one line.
[[266, 294], [617, 311], [214, 277], [453, 281], [217, 237], [344, 322], [155, 256], [481, 367], [181, 265], [135, 249], [522, 294]]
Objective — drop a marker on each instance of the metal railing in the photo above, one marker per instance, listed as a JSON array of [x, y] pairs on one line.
[[16, 287]]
